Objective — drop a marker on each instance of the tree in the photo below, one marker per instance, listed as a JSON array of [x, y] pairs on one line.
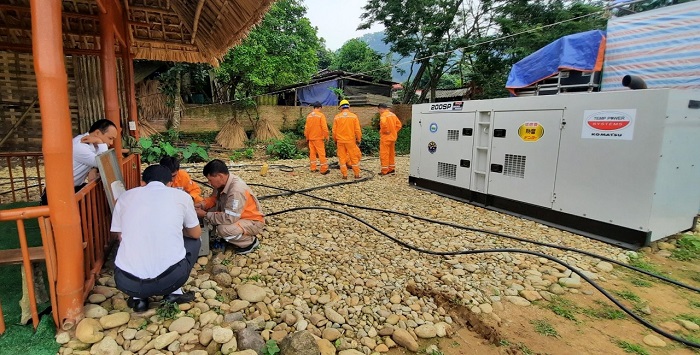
[[490, 63], [356, 56], [281, 50], [428, 29], [325, 55]]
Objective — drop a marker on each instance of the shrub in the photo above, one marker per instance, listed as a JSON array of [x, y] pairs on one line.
[[403, 140], [157, 146], [370, 141], [284, 148]]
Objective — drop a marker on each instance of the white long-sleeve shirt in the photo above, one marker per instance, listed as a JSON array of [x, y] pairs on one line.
[[84, 158]]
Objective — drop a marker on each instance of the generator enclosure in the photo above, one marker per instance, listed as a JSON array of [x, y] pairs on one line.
[[623, 167]]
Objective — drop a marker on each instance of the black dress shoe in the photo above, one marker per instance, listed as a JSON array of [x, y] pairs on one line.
[[138, 305], [181, 298]]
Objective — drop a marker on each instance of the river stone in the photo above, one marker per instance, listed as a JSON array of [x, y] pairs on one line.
[[299, 343], [251, 293], [94, 311], [426, 331], [222, 335], [404, 338], [164, 340], [106, 346], [89, 331], [654, 341], [115, 319], [182, 325]]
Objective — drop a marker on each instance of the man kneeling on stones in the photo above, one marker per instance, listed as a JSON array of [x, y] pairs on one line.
[[154, 258], [233, 208]]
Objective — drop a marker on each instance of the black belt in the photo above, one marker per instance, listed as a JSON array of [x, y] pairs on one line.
[[164, 273]]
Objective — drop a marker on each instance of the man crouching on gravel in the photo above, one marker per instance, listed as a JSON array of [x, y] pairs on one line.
[[154, 258], [233, 208]]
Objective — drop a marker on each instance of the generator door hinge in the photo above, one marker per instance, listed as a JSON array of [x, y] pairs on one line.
[[554, 197], [563, 123]]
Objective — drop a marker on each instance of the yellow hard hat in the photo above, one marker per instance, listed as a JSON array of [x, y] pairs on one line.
[[344, 102]]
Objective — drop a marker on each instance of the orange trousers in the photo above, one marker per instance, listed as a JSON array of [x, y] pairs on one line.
[[347, 152], [387, 154], [317, 155]]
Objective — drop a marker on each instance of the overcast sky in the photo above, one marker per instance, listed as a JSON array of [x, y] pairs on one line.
[[337, 20]]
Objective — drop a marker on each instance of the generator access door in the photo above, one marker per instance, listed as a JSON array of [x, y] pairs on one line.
[[446, 153], [524, 153]]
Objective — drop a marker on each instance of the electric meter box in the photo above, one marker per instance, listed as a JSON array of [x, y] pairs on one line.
[[622, 166]]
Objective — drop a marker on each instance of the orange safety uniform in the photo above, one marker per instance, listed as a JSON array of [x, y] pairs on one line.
[[183, 181], [347, 134], [389, 126], [236, 212], [316, 132]]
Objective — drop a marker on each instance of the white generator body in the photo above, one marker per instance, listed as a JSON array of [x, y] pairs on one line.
[[622, 166]]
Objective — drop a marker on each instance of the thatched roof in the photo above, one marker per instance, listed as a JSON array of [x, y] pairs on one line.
[[166, 30]]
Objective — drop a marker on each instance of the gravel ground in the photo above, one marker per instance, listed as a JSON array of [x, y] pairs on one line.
[[337, 279]]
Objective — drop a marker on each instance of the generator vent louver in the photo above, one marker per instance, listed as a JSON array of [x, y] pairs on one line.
[[514, 166], [447, 171], [452, 134]]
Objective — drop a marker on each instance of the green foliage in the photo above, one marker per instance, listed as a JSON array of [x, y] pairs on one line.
[[628, 295], [370, 141], [337, 343], [403, 140], [143, 325], [281, 50], [562, 307], [543, 327], [300, 126], [167, 310], [375, 121], [640, 263], [632, 348], [157, 146], [284, 148], [339, 93], [640, 282], [331, 149], [605, 311], [271, 348], [694, 304], [688, 248], [205, 138], [356, 56], [193, 153], [436, 352], [246, 153]]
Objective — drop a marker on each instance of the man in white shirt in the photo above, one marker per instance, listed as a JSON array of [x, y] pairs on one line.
[[86, 147], [154, 258]]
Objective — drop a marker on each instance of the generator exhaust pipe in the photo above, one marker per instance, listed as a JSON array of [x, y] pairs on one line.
[[633, 82]]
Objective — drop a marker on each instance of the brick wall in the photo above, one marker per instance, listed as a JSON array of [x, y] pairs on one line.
[[213, 117]]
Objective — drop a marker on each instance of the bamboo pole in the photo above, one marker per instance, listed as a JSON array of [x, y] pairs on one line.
[[52, 84], [109, 74], [19, 121]]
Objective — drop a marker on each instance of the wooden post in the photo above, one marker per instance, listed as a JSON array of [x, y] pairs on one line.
[[108, 64], [52, 84], [128, 61]]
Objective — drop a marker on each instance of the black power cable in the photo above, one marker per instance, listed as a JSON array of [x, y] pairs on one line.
[[481, 251], [505, 250]]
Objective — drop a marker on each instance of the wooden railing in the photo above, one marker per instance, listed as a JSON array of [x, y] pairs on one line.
[[22, 177], [95, 219], [26, 255]]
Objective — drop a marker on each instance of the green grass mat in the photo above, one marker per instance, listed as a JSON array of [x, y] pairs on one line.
[[21, 339]]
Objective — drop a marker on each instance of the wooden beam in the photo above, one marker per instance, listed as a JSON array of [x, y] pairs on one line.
[[153, 41], [197, 13], [27, 48]]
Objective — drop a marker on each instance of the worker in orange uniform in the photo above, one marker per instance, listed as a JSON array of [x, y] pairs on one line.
[[347, 136], [181, 179], [316, 133], [389, 126]]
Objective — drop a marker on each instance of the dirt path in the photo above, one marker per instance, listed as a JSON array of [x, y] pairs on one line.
[[585, 322]]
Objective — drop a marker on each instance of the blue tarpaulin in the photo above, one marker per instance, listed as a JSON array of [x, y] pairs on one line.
[[320, 92], [580, 51]]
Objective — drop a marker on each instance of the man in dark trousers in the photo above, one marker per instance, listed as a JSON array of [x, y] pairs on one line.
[[154, 258]]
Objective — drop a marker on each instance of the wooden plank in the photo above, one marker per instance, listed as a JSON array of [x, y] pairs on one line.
[[14, 256]]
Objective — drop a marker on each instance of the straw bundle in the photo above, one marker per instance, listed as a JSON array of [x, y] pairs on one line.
[[152, 103], [145, 129], [232, 134], [264, 130]]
